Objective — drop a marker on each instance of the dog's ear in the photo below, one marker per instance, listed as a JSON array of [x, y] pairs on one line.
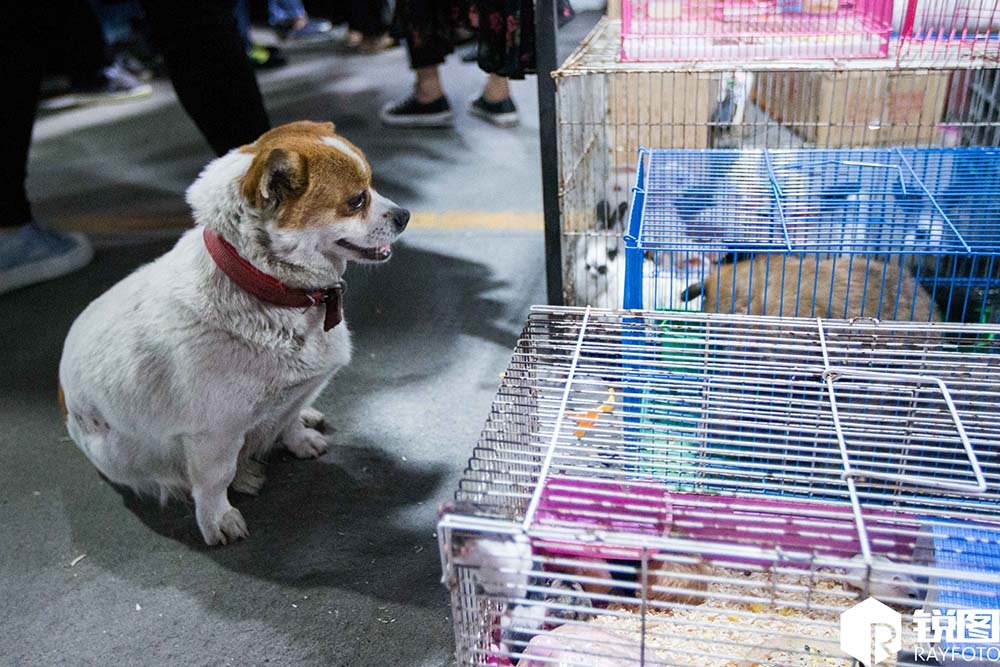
[[275, 177]]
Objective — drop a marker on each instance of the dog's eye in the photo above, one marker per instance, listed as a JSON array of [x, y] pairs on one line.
[[612, 253], [358, 202]]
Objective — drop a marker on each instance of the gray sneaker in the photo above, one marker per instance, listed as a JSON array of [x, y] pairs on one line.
[[32, 254], [115, 84]]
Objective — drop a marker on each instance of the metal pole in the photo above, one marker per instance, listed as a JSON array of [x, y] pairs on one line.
[[545, 60]]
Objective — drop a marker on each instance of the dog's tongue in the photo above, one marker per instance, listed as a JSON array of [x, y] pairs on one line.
[[385, 250]]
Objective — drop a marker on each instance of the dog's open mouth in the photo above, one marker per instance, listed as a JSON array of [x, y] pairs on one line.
[[379, 254]]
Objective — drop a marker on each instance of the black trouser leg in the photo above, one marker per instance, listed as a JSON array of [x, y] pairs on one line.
[[23, 54], [86, 51], [208, 65], [201, 46], [367, 17]]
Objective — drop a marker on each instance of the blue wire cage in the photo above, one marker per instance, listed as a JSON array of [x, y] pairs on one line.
[[898, 233]]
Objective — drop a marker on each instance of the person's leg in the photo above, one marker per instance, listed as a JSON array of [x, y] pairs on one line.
[[22, 65], [85, 47], [497, 88], [428, 84], [280, 12], [208, 65], [259, 55], [368, 31], [428, 42], [428, 29], [94, 76], [241, 10], [29, 253], [292, 23], [367, 17], [507, 37], [505, 50], [495, 105]]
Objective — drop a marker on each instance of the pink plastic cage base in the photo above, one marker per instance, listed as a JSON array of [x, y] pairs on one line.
[[944, 29], [594, 507], [658, 30]]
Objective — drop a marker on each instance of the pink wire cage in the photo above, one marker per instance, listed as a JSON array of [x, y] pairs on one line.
[[949, 29], [725, 30]]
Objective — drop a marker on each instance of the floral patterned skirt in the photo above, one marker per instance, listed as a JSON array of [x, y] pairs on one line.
[[505, 30]]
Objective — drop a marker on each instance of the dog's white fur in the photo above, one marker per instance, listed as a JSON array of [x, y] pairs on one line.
[[175, 379]]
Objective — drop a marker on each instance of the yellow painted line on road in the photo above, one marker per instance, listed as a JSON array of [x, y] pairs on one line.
[[530, 220], [118, 222]]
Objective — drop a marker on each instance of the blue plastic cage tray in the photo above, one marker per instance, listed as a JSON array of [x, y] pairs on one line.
[[970, 548]]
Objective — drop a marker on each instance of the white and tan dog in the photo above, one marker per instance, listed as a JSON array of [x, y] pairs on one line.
[[177, 377]]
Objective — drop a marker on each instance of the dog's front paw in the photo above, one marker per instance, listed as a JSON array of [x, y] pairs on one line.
[[306, 443], [229, 528], [312, 418]]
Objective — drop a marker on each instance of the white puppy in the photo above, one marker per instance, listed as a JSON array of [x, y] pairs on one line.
[[177, 377]]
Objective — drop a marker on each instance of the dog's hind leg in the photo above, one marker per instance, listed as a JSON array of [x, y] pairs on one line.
[[211, 467], [300, 436], [311, 418], [250, 473], [304, 442]]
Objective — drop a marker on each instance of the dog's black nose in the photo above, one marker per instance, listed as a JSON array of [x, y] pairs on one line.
[[400, 218]]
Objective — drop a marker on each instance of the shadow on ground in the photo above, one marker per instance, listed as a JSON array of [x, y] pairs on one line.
[[327, 523], [416, 292]]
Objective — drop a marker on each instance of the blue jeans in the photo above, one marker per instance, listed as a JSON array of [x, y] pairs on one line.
[[241, 10], [278, 11], [284, 11]]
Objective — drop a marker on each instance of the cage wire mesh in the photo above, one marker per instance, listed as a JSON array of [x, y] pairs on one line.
[[717, 490], [607, 110], [950, 29], [899, 234], [657, 30]]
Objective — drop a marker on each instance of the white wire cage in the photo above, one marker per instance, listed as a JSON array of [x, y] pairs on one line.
[[718, 490], [607, 110]]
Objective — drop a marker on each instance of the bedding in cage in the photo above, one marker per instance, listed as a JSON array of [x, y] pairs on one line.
[[570, 548], [893, 234], [733, 30]]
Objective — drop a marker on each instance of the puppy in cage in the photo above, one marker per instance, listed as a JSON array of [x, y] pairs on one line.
[[599, 267], [599, 258]]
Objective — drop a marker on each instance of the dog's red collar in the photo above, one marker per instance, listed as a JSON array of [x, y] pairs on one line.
[[268, 288]]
